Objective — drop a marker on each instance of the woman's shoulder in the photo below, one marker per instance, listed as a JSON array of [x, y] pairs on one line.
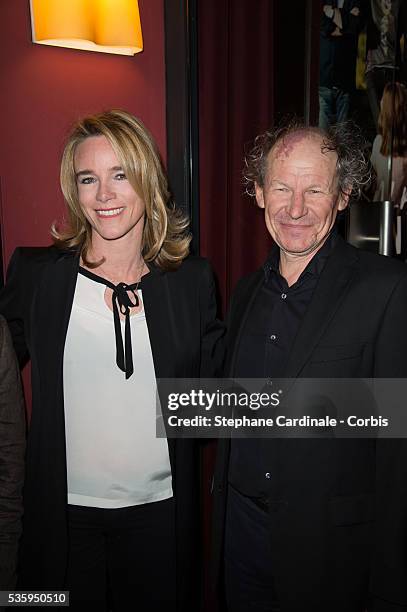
[[194, 267], [193, 271], [195, 263], [27, 264], [37, 256]]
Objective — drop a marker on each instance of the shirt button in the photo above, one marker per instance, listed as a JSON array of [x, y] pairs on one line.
[[283, 296], [268, 475], [273, 337]]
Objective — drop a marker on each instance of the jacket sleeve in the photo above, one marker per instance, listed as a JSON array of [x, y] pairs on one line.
[[212, 329], [12, 449], [12, 304], [391, 341], [389, 560]]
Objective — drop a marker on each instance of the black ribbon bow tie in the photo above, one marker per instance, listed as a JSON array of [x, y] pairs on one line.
[[121, 303]]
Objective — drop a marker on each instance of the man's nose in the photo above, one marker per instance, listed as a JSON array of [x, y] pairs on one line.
[[104, 192], [297, 207]]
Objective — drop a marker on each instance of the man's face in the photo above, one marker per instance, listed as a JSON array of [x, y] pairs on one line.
[[300, 194]]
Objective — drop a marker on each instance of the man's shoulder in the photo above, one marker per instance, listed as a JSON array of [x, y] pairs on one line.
[[377, 268]]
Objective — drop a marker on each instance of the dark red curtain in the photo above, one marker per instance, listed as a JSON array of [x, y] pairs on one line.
[[235, 104]]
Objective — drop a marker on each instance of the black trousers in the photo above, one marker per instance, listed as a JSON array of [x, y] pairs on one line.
[[122, 559], [249, 583]]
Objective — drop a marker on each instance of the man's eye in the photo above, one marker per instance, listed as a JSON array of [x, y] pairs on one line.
[[284, 189], [314, 191], [86, 180]]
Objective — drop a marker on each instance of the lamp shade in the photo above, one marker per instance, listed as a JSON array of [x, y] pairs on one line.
[[110, 26]]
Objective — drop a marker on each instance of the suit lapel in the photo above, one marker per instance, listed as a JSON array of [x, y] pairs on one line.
[[329, 293]]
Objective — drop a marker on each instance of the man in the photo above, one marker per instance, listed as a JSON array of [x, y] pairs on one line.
[[313, 524], [12, 448], [341, 22]]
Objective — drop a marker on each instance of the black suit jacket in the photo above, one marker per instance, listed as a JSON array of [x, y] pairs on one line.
[[12, 450], [338, 507], [181, 318]]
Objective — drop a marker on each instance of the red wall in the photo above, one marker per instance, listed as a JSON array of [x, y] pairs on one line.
[[43, 90]]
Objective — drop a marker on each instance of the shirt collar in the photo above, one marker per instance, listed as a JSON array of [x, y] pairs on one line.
[[314, 267]]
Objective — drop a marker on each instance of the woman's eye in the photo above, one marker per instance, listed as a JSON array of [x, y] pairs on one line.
[[86, 180], [120, 176]]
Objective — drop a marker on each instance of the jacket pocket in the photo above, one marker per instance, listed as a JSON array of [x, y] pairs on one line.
[[336, 353]]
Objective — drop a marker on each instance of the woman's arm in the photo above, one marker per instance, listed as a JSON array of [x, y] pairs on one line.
[[12, 449], [212, 329]]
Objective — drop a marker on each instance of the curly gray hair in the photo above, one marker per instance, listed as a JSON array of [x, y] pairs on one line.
[[345, 139]]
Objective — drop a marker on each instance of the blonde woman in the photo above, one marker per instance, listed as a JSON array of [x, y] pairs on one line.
[[111, 510]]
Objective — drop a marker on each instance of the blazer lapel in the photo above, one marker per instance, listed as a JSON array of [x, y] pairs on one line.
[[329, 293], [160, 322], [53, 311]]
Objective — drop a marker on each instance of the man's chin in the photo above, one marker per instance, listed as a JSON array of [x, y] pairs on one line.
[[298, 250]]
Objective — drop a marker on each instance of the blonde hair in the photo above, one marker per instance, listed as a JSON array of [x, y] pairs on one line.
[[165, 235]]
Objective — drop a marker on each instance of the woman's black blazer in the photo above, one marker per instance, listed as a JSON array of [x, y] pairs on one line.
[[184, 332]]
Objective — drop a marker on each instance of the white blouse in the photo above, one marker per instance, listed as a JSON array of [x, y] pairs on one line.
[[114, 458]]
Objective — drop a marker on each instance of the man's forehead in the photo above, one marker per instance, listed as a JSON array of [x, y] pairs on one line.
[[300, 141]]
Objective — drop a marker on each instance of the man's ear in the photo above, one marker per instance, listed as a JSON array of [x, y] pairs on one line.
[[259, 195], [343, 200]]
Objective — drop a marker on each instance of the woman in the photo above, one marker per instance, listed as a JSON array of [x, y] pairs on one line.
[[110, 510], [391, 141]]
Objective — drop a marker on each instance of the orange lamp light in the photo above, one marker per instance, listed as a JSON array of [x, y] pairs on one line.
[[109, 26]]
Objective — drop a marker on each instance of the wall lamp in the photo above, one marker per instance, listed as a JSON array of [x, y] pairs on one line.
[[109, 26]]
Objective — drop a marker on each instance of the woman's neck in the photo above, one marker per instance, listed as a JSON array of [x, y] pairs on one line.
[[123, 260]]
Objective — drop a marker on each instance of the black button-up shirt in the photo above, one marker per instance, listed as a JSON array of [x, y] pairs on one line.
[[265, 345]]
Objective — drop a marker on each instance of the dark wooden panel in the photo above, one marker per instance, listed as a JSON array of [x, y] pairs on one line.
[[181, 113]]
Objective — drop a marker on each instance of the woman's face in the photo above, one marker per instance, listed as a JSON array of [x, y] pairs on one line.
[[109, 202]]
